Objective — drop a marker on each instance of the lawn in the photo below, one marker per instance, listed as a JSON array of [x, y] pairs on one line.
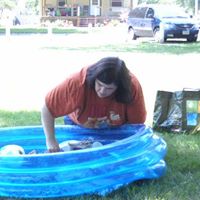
[[171, 48], [181, 181], [166, 66]]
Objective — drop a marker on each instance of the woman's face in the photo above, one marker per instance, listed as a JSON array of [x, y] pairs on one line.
[[104, 90]]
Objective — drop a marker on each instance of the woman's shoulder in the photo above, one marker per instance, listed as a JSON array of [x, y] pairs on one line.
[[134, 79], [75, 80], [79, 76]]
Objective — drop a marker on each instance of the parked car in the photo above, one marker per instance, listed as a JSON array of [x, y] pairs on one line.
[[161, 22]]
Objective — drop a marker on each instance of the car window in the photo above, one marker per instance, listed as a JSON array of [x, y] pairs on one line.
[[138, 12], [150, 13]]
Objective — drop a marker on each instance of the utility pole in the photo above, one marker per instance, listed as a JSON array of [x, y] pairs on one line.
[[196, 7]]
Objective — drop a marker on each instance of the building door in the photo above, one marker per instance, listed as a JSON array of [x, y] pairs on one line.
[[95, 7]]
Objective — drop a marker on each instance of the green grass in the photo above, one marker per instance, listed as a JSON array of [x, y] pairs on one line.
[[28, 30], [176, 48], [170, 47], [41, 30], [21, 118], [181, 182], [68, 31], [2, 30]]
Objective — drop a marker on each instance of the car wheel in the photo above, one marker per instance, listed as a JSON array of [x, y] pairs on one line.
[[192, 39], [159, 35], [131, 34]]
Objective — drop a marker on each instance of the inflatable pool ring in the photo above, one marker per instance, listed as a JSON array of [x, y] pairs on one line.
[[129, 153]]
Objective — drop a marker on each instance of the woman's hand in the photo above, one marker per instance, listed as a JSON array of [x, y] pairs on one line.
[[52, 146]]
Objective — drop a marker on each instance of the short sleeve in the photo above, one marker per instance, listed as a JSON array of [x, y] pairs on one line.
[[67, 96]]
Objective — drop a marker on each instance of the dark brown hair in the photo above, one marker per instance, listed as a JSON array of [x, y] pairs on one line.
[[112, 70]]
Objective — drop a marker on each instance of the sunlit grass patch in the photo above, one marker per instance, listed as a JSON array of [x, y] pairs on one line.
[[181, 180], [142, 47]]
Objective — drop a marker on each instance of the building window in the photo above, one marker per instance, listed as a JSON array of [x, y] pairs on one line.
[[116, 3], [61, 2], [94, 2]]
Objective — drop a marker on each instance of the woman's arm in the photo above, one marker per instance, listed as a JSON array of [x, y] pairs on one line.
[[48, 123]]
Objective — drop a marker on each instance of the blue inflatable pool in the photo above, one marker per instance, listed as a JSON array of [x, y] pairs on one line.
[[129, 153]]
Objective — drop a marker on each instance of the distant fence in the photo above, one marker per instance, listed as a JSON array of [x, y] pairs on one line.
[[80, 21]]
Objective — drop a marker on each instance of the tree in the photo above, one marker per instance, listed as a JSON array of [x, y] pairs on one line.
[[189, 5], [158, 1], [32, 6], [7, 4]]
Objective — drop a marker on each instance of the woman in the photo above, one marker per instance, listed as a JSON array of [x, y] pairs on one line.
[[104, 94]]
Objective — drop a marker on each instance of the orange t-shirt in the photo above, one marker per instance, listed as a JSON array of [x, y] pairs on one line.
[[73, 98]]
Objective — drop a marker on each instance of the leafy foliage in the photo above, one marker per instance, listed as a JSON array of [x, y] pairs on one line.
[[32, 6], [187, 4], [9, 4]]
